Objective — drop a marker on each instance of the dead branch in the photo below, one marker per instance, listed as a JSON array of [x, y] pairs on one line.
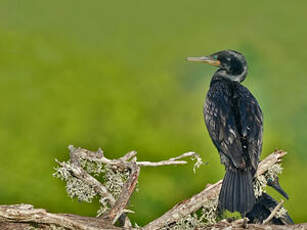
[[242, 225], [118, 209], [77, 171], [24, 216], [191, 205], [174, 161], [273, 213], [13, 215]]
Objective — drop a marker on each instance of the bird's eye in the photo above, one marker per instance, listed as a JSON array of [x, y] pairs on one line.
[[215, 57]]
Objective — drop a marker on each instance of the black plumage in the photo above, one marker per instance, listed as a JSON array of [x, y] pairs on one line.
[[262, 209], [234, 120]]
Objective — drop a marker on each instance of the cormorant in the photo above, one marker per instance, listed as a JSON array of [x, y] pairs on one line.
[[262, 209], [265, 204], [234, 120]]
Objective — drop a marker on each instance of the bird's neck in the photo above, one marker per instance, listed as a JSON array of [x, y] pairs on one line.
[[223, 74], [218, 78]]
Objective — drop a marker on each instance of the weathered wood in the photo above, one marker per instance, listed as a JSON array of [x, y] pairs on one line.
[[24, 216], [211, 192], [15, 216], [118, 209], [242, 225]]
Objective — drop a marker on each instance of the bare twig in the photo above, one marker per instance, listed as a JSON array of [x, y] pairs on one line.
[[98, 156], [174, 161], [160, 163], [191, 205], [273, 213]]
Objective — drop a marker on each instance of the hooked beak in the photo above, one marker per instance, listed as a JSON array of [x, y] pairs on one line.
[[205, 59], [275, 184]]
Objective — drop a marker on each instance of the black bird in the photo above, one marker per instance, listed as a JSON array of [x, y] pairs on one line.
[[265, 204], [262, 209], [234, 120]]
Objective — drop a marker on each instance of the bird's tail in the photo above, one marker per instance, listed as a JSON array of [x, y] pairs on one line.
[[237, 192]]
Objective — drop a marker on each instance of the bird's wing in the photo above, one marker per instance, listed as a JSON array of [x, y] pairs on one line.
[[222, 126], [251, 122]]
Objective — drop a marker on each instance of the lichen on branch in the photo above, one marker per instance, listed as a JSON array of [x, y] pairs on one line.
[[90, 174]]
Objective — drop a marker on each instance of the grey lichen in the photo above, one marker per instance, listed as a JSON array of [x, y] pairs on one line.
[[273, 172], [77, 188], [189, 222], [92, 167], [114, 180], [74, 186], [209, 212], [198, 162], [259, 185], [61, 173], [207, 215], [282, 212], [261, 181]]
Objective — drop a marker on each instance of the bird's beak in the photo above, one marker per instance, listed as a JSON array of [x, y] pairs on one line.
[[205, 59], [275, 184]]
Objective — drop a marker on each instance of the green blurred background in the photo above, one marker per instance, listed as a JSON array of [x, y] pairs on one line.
[[112, 74]]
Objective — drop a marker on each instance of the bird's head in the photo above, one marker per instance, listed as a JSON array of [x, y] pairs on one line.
[[232, 64]]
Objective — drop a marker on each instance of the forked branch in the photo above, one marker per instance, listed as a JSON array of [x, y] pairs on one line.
[[211, 192], [22, 215]]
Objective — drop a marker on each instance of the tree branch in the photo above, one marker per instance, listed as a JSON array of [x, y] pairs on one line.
[[80, 173], [118, 209], [25, 213], [242, 225], [174, 161], [211, 192], [273, 213], [24, 216]]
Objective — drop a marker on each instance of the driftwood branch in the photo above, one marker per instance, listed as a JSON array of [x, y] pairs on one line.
[[242, 225], [11, 216], [211, 192], [23, 216]]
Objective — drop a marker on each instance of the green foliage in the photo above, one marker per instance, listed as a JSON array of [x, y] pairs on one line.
[[232, 215], [112, 74]]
